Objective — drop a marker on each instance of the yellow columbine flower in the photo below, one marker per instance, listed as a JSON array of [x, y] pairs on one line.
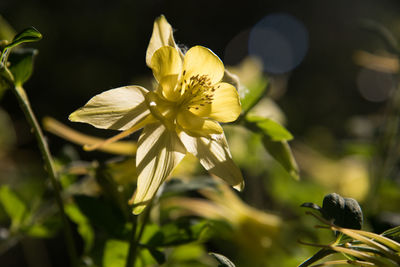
[[180, 116]]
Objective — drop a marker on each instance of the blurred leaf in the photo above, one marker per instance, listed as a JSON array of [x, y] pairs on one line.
[[22, 64], [15, 208], [157, 255], [282, 153], [270, 128], [177, 233], [223, 261], [25, 36], [253, 93], [115, 253], [41, 231], [6, 30], [5, 81], [174, 186], [187, 252], [84, 227]]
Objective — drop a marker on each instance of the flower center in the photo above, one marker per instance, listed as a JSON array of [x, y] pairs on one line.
[[196, 92]]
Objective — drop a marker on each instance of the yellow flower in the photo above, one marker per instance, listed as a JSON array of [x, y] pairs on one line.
[[180, 116]]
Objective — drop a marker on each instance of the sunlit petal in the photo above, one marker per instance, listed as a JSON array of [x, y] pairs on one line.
[[166, 61], [117, 109], [198, 126], [199, 60], [225, 106], [215, 157], [159, 151], [162, 36]]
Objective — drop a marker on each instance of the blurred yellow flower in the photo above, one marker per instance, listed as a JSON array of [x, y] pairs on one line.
[[254, 230], [180, 116]]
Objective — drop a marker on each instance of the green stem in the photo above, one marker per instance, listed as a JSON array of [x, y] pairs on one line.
[[134, 242], [30, 116]]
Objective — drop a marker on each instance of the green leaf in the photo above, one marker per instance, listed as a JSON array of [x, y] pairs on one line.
[[222, 260], [21, 64], [115, 253], [178, 233], [282, 153], [84, 227], [15, 208], [28, 35], [270, 128], [250, 96], [157, 255]]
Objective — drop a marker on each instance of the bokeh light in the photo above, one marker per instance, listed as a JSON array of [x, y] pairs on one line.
[[375, 86], [280, 41]]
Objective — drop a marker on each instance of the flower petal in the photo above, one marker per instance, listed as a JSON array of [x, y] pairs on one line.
[[162, 36], [199, 60], [215, 157], [196, 125], [159, 151], [117, 109], [166, 61], [225, 106]]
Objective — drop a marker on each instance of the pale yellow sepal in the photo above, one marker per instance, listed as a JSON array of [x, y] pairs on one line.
[[159, 151], [162, 36], [117, 109], [215, 157]]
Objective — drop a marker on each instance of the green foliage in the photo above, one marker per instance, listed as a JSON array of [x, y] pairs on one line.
[[25, 36], [282, 153], [21, 64], [16, 209], [273, 130], [253, 93], [115, 253], [84, 227]]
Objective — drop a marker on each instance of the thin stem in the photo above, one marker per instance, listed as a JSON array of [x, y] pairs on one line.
[[30, 116], [134, 242]]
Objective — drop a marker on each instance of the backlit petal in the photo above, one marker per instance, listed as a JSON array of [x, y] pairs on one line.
[[225, 106], [199, 60], [117, 109], [159, 151], [162, 36], [196, 125], [166, 61], [215, 157]]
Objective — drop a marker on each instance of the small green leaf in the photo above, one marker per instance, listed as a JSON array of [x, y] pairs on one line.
[[21, 64], [250, 95], [28, 35], [282, 153], [115, 253], [84, 227], [222, 260], [270, 128], [15, 208]]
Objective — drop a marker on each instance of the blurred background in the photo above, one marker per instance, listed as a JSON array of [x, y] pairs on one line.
[[329, 90]]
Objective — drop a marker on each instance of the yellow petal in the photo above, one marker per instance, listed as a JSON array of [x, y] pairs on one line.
[[200, 61], [225, 106], [197, 125], [159, 151], [162, 36], [215, 157], [166, 61], [117, 109]]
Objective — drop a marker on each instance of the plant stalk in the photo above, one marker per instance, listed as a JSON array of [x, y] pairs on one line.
[[49, 166]]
